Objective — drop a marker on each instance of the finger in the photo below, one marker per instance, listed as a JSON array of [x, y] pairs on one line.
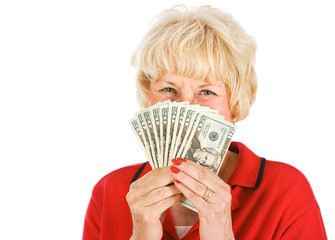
[[159, 207], [159, 194], [197, 201], [201, 174], [189, 182], [156, 178], [152, 213]]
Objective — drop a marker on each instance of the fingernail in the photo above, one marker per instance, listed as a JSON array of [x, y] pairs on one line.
[[181, 159], [174, 169], [176, 161], [176, 181]]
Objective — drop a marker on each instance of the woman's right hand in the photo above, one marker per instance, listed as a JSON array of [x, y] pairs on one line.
[[148, 198]]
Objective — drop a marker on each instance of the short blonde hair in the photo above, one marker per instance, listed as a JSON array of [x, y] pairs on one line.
[[203, 43]]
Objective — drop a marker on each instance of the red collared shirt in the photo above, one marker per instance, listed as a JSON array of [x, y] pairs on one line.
[[270, 200]]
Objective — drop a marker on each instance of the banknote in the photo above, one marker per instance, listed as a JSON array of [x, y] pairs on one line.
[[168, 130], [141, 138], [178, 131], [185, 130], [147, 138], [176, 120], [172, 121], [209, 141], [166, 109], [152, 134], [156, 116], [208, 144]]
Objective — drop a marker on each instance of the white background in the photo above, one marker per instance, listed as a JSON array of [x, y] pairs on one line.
[[67, 91]]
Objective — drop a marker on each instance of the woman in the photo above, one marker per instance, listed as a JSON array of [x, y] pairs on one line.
[[202, 56]]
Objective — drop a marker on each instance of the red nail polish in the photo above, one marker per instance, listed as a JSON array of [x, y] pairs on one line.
[[176, 181], [176, 161], [181, 159], [174, 169]]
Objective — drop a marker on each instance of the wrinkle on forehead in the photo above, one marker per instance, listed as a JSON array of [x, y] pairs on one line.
[[206, 83]]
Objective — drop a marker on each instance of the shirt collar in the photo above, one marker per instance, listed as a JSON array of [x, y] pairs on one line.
[[249, 169], [248, 172]]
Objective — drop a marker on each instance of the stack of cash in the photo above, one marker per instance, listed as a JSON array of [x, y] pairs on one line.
[[169, 130]]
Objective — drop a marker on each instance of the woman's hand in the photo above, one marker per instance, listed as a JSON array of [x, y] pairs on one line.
[[214, 213], [148, 199]]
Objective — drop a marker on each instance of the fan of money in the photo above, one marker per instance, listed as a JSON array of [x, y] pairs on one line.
[[168, 130]]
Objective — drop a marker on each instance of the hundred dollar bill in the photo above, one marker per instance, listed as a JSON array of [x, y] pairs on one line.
[[208, 144]]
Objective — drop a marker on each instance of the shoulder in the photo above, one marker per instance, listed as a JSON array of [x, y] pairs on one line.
[[118, 180], [284, 173], [290, 200], [121, 175], [287, 183]]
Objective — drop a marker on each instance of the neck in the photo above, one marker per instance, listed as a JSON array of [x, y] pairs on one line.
[[228, 166]]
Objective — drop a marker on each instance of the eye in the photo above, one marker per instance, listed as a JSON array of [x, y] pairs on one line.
[[207, 92], [168, 89]]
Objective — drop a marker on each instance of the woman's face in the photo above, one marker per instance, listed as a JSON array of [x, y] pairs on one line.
[[205, 158], [179, 89]]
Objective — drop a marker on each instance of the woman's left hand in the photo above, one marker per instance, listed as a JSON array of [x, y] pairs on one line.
[[214, 213]]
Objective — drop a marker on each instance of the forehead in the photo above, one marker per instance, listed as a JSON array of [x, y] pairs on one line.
[[175, 79]]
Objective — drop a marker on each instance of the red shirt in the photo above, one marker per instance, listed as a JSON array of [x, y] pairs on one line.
[[270, 200]]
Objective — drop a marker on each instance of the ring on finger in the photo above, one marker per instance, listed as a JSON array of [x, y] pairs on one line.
[[207, 194]]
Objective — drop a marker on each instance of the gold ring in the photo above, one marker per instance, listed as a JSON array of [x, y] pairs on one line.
[[207, 194]]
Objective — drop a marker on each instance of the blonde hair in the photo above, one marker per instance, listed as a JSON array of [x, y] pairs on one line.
[[203, 43]]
